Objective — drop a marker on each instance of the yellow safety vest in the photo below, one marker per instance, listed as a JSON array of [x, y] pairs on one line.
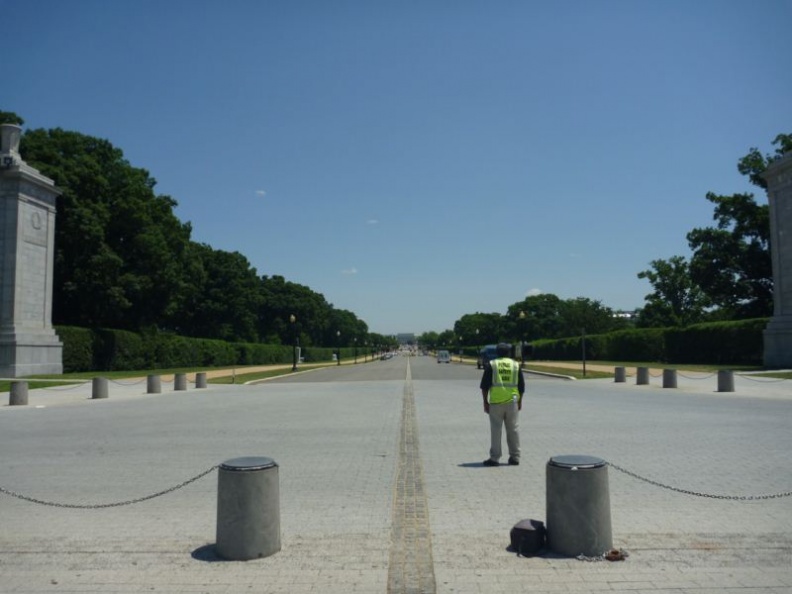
[[505, 374]]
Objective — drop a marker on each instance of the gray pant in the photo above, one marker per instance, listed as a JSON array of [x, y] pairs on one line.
[[500, 415]]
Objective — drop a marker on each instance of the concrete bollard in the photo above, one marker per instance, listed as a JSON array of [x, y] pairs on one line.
[[19, 394], [620, 375], [200, 379], [642, 376], [180, 381], [153, 384], [725, 381], [248, 509], [578, 506], [99, 388], [669, 378]]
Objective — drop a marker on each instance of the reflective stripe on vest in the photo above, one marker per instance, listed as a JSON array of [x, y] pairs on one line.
[[504, 381]]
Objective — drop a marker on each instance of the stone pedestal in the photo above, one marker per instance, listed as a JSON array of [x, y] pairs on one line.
[[28, 343], [778, 334]]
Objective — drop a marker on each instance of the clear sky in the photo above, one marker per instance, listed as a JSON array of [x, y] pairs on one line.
[[414, 161]]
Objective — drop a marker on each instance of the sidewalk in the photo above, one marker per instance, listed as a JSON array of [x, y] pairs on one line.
[[339, 446]]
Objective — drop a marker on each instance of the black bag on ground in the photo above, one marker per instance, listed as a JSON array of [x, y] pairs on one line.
[[528, 537]]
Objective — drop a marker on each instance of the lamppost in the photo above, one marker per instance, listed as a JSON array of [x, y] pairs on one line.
[[293, 321], [522, 339], [461, 349], [355, 340], [338, 347], [365, 351]]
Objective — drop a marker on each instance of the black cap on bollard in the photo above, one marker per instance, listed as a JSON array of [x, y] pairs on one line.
[[248, 463], [575, 461]]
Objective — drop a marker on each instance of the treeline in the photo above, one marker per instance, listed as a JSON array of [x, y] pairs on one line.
[[533, 318], [123, 260]]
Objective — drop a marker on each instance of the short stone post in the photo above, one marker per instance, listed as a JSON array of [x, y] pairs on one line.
[[578, 506], [248, 509], [99, 388], [725, 381], [180, 381], [620, 375], [642, 376], [200, 379], [669, 378], [19, 394], [153, 384]]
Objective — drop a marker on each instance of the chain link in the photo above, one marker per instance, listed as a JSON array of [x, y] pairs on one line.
[[106, 505], [696, 493]]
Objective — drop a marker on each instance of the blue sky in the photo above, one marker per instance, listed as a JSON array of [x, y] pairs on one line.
[[415, 161]]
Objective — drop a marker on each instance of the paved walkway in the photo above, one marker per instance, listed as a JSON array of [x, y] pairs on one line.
[[366, 462]]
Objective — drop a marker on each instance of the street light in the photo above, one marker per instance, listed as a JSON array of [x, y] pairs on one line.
[[293, 321], [338, 347], [522, 339], [355, 340]]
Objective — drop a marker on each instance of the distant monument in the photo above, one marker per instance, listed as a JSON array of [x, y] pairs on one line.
[[28, 343], [778, 334]]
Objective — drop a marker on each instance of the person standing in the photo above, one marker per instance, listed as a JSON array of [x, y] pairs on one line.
[[502, 387]]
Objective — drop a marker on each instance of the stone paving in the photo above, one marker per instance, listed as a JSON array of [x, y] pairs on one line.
[[338, 436]]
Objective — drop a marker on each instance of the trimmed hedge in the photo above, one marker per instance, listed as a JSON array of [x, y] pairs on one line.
[[717, 342], [119, 350], [714, 343]]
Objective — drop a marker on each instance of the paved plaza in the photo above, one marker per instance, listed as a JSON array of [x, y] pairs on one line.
[[382, 487]]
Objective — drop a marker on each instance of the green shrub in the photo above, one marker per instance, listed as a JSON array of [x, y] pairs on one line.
[[77, 348]]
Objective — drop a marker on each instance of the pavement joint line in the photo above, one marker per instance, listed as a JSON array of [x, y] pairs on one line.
[[411, 565]]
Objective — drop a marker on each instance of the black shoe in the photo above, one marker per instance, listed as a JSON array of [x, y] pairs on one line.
[[514, 462], [490, 462]]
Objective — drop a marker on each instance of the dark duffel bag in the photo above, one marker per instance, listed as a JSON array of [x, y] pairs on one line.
[[528, 537]]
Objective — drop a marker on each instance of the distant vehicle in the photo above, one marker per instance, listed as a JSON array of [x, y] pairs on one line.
[[487, 354], [443, 357]]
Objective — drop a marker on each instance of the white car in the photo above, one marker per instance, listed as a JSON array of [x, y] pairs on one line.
[[443, 357]]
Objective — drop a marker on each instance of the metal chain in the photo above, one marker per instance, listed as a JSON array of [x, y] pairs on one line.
[[105, 505], [697, 494], [691, 377], [763, 380]]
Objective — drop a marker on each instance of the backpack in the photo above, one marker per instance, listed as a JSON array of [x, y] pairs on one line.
[[528, 537]]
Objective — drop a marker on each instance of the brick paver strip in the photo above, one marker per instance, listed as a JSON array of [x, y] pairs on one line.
[[411, 568]]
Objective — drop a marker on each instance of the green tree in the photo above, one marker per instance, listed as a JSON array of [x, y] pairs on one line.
[[9, 117], [228, 298], [479, 329], [121, 254], [282, 299], [676, 299], [583, 313], [731, 262]]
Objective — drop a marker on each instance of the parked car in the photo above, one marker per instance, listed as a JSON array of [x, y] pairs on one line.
[[487, 354], [443, 357]]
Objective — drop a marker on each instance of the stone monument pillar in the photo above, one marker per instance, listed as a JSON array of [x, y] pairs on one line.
[[778, 334], [28, 343]]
